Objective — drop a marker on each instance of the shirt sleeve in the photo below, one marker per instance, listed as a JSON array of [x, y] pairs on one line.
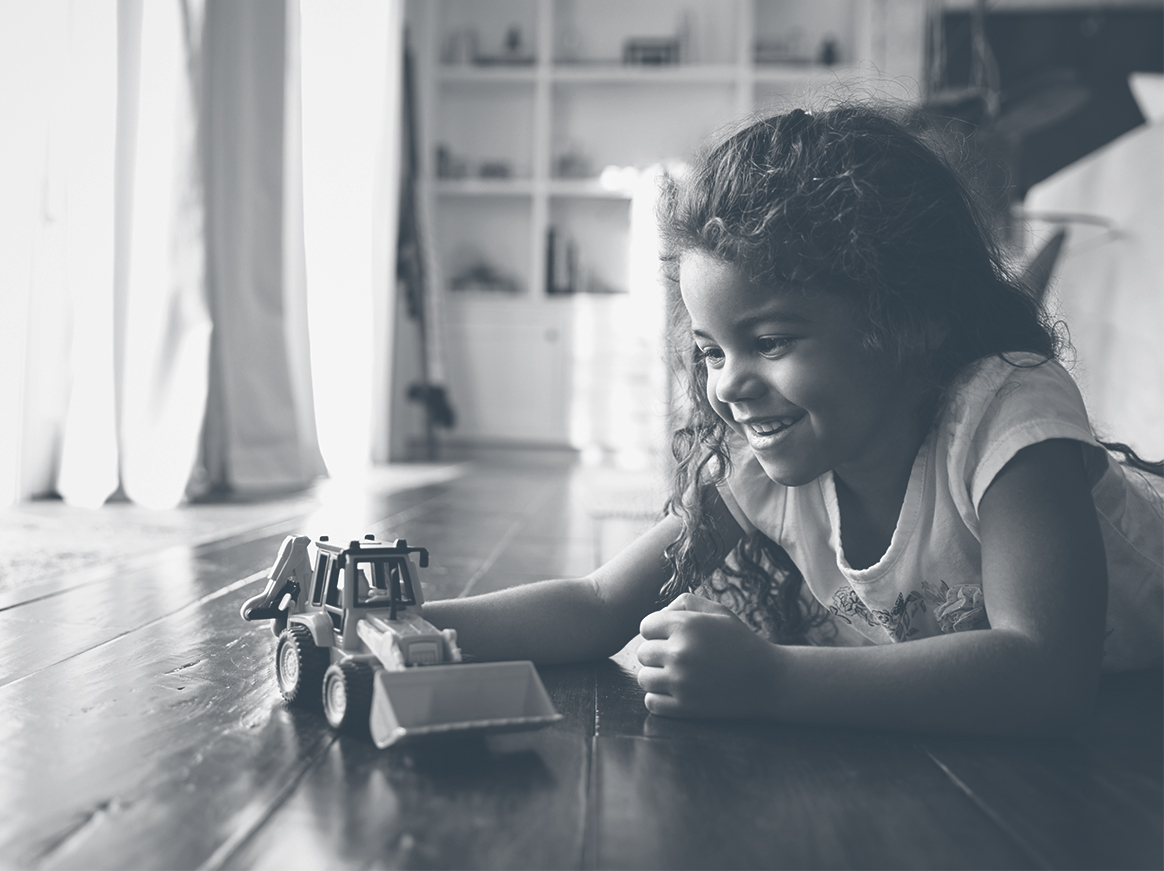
[[1013, 404]]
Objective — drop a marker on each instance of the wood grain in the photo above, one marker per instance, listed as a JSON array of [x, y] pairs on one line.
[[140, 727], [676, 793], [1092, 801]]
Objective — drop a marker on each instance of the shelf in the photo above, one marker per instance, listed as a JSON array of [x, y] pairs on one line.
[[483, 187], [485, 74], [586, 188], [617, 73], [778, 72], [582, 188], [575, 127]]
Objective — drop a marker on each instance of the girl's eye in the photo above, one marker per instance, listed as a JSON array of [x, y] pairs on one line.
[[710, 356], [773, 346]]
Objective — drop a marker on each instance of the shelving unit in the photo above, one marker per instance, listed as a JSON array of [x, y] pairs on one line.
[[540, 124]]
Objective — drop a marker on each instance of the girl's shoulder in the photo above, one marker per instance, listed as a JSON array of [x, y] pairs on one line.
[[1015, 387], [988, 375], [999, 405]]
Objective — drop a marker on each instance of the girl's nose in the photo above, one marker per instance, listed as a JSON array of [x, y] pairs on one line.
[[736, 382]]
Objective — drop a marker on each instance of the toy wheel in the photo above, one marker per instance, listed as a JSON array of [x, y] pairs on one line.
[[347, 696], [299, 664]]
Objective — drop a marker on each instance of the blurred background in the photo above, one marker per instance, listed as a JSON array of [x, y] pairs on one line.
[[244, 245]]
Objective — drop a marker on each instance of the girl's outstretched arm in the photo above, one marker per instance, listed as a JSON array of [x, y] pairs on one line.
[[564, 620], [1035, 670]]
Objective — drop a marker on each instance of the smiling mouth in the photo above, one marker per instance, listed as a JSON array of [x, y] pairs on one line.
[[769, 428]]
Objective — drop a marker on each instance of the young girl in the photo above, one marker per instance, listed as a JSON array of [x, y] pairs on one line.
[[885, 473]]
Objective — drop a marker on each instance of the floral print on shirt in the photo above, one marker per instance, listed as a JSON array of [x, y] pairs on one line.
[[956, 609], [896, 621]]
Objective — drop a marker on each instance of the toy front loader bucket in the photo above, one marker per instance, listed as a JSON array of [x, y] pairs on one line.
[[448, 699]]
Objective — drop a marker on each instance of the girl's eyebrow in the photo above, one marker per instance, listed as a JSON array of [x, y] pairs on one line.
[[775, 317], [790, 318]]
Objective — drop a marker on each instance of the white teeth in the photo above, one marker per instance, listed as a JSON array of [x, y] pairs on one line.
[[772, 427]]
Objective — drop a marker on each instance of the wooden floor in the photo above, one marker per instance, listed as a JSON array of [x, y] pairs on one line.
[[140, 727]]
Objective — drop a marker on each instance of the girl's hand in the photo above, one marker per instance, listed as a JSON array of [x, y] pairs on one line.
[[700, 660]]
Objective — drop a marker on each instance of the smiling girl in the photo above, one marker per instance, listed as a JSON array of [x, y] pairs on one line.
[[888, 488]]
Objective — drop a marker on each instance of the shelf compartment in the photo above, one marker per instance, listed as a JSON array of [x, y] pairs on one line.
[[472, 31], [616, 124], [483, 247], [797, 32], [484, 132], [699, 31], [597, 232]]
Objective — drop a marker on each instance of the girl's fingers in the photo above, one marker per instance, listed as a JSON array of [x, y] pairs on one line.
[[652, 653], [663, 705], [660, 624], [654, 680], [691, 602]]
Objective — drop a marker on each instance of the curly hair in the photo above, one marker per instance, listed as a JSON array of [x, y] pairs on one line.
[[860, 201]]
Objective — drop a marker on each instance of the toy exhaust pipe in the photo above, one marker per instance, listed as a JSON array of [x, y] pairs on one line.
[[450, 699]]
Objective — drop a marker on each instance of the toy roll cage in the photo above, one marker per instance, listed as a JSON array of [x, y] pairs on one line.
[[379, 569]]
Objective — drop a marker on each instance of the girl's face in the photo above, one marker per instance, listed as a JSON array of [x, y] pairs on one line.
[[788, 370]]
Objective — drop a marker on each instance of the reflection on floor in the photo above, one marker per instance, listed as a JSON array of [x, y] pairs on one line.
[[46, 539]]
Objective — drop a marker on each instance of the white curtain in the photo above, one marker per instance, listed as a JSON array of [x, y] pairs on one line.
[[166, 338], [58, 107], [260, 432], [351, 84], [157, 261]]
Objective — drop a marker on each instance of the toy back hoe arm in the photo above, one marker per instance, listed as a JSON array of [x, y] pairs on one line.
[[289, 576]]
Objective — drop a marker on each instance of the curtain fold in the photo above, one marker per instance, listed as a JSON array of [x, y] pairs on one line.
[[153, 269], [260, 434], [168, 326], [351, 103], [57, 101], [88, 472]]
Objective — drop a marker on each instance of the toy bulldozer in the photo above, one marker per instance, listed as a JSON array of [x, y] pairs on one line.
[[352, 640]]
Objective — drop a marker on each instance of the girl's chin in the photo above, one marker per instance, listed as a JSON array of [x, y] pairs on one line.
[[787, 474]]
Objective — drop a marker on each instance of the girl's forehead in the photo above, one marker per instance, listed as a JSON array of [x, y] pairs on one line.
[[708, 281]]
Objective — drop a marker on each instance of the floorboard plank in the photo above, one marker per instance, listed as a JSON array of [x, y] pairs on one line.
[[513, 801], [140, 726], [732, 797], [75, 615], [673, 793], [1092, 802], [148, 750], [157, 736]]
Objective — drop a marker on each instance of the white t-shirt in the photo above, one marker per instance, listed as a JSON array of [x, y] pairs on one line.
[[930, 579]]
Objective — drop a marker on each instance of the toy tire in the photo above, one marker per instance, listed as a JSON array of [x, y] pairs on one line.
[[347, 696], [299, 666]]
